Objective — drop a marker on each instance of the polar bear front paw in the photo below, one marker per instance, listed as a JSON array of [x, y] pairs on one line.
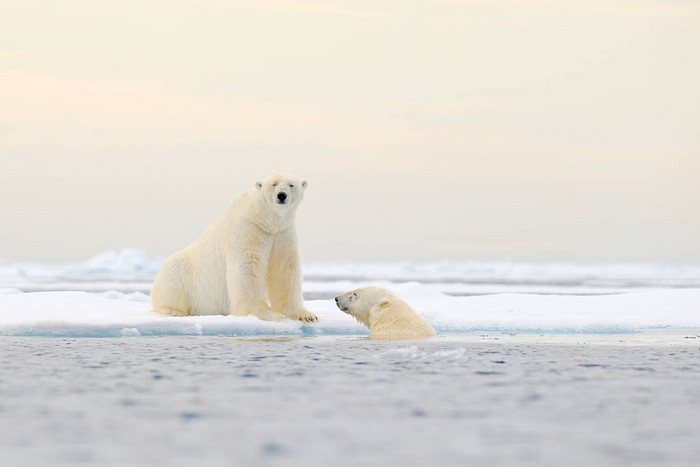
[[304, 316]]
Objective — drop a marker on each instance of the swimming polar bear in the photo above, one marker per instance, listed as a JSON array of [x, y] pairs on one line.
[[245, 263], [385, 314]]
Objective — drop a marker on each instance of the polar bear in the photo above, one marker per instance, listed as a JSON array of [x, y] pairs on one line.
[[245, 263], [385, 314]]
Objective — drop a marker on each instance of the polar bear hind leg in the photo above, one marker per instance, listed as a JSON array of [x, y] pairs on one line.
[[169, 295]]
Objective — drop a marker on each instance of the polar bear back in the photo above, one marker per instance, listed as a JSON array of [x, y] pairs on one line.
[[398, 320]]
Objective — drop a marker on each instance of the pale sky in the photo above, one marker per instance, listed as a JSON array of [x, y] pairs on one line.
[[427, 130]]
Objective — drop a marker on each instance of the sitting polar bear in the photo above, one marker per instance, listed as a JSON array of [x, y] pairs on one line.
[[385, 314], [246, 263]]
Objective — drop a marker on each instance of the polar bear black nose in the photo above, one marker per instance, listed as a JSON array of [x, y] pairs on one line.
[[281, 196], [336, 299]]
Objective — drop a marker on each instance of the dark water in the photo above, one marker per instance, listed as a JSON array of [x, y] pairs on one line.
[[342, 401]]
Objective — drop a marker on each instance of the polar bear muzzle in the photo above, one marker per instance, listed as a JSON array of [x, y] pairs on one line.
[[281, 197], [342, 307]]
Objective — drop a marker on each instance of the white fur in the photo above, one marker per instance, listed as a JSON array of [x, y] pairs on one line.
[[246, 263], [385, 314]]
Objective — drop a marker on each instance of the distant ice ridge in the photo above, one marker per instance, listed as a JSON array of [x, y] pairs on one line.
[[115, 314], [133, 271], [129, 261], [122, 262], [495, 272], [135, 261]]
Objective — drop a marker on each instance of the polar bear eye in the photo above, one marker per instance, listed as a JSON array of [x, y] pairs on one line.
[[291, 186], [274, 184]]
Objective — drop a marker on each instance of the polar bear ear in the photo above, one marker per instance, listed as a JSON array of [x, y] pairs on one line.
[[303, 184], [384, 303], [258, 185]]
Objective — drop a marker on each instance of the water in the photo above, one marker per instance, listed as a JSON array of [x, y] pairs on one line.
[[319, 401]]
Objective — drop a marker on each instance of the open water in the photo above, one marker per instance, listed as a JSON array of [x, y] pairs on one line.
[[322, 401]]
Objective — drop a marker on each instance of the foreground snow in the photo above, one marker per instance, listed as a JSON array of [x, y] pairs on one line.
[[115, 314], [107, 296]]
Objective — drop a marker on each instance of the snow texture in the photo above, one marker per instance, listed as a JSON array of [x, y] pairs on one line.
[[69, 300], [133, 271]]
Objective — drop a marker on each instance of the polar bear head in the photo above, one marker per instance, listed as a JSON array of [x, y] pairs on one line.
[[282, 192], [362, 302]]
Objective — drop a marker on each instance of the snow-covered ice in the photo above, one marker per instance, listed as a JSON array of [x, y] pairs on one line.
[[133, 271], [114, 314], [68, 300]]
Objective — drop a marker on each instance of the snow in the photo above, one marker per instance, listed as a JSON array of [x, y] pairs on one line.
[[114, 314], [107, 296], [132, 271], [506, 272]]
